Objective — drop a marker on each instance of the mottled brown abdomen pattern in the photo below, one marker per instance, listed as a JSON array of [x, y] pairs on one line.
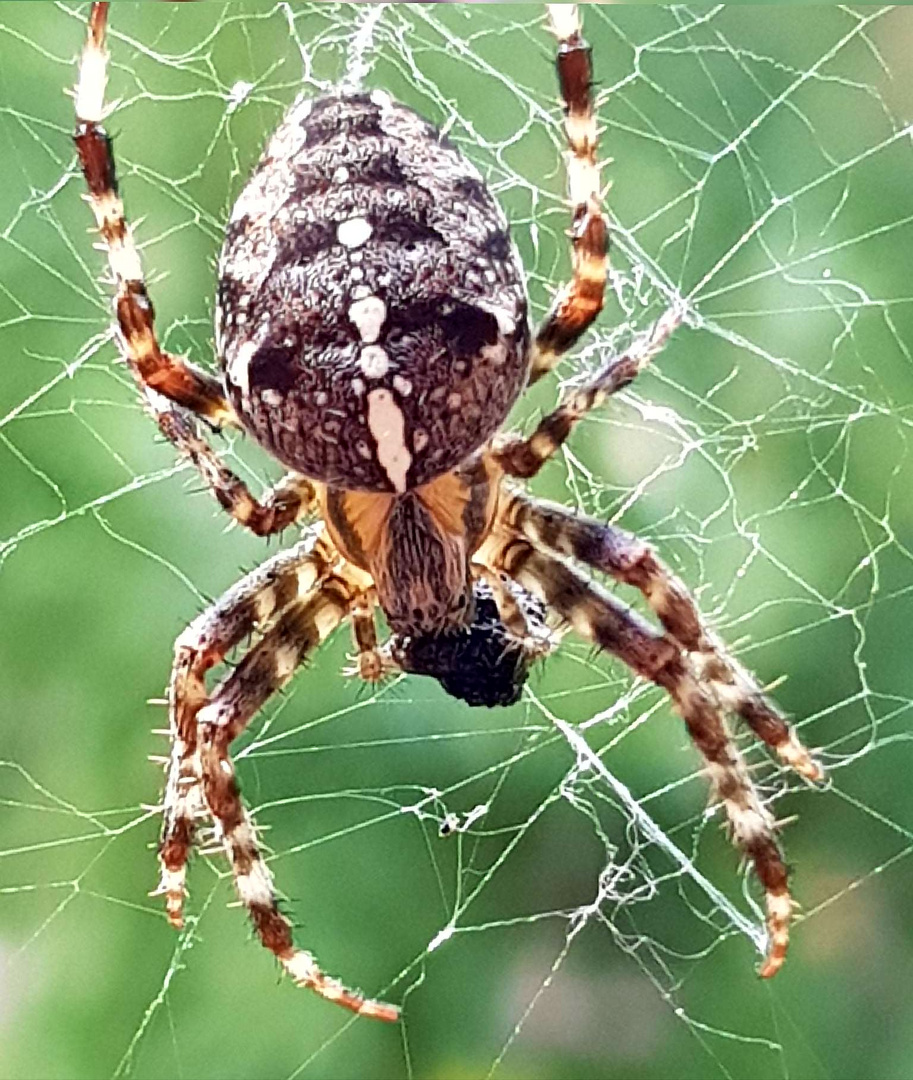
[[372, 316]]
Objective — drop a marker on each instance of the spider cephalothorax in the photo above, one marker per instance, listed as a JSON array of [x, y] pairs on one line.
[[372, 331]]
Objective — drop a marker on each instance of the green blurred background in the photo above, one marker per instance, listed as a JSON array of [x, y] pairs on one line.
[[760, 169]]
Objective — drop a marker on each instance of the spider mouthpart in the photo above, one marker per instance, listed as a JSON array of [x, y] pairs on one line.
[[481, 663]]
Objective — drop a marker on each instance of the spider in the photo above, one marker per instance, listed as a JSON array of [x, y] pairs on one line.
[[372, 333]]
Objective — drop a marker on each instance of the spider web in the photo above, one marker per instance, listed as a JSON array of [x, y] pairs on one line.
[[545, 888]]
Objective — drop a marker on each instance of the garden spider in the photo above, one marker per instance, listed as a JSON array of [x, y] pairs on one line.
[[372, 332]]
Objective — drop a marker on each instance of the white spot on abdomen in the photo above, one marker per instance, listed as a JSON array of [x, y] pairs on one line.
[[368, 314], [290, 137], [382, 99], [374, 361], [495, 354], [353, 232], [238, 367], [388, 429]]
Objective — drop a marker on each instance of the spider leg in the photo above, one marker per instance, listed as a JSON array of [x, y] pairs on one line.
[[286, 502], [597, 615], [580, 301], [266, 668], [182, 383], [524, 457], [373, 663], [162, 378], [248, 606], [632, 561]]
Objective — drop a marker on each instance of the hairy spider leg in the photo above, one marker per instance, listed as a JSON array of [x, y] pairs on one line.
[[305, 600], [580, 301], [174, 378], [290, 499], [157, 372], [248, 606], [597, 616], [266, 668], [632, 561], [524, 457]]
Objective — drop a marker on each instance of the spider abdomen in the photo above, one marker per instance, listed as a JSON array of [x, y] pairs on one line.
[[372, 317]]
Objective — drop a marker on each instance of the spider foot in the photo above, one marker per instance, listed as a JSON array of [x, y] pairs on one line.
[[739, 694], [305, 971], [171, 886], [798, 757], [372, 666], [779, 913]]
